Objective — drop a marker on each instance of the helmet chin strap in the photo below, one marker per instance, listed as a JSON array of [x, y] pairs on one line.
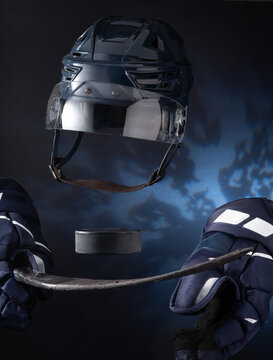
[[57, 163]]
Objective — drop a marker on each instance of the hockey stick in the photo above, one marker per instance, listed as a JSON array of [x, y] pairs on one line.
[[53, 282]]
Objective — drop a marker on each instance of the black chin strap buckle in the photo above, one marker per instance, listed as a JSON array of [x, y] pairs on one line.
[[160, 173], [55, 169], [156, 176]]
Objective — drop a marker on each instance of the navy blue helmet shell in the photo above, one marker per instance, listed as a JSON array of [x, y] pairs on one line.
[[124, 77], [146, 54]]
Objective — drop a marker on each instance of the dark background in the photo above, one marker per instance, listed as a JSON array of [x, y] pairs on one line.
[[227, 154]]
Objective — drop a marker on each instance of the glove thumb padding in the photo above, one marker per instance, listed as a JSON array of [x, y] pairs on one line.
[[201, 338], [193, 293]]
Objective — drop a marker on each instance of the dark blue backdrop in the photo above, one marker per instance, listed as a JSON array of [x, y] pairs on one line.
[[227, 154]]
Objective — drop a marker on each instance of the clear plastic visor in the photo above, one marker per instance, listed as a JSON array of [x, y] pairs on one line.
[[105, 108]]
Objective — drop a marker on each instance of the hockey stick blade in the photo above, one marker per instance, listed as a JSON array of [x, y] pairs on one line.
[[53, 282]]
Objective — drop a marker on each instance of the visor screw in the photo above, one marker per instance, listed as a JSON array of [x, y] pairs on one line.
[[115, 93], [88, 90]]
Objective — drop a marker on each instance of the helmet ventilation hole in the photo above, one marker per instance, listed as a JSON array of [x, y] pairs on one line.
[[145, 59], [154, 43]]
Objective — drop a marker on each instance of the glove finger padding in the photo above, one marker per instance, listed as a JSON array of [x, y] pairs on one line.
[[37, 261], [9, 238], [21, 244], [234, 300]]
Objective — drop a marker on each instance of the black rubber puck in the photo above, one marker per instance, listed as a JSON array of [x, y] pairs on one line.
[[107, 241]]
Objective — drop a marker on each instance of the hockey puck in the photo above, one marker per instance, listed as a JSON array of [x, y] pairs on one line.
[[107, 241]]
